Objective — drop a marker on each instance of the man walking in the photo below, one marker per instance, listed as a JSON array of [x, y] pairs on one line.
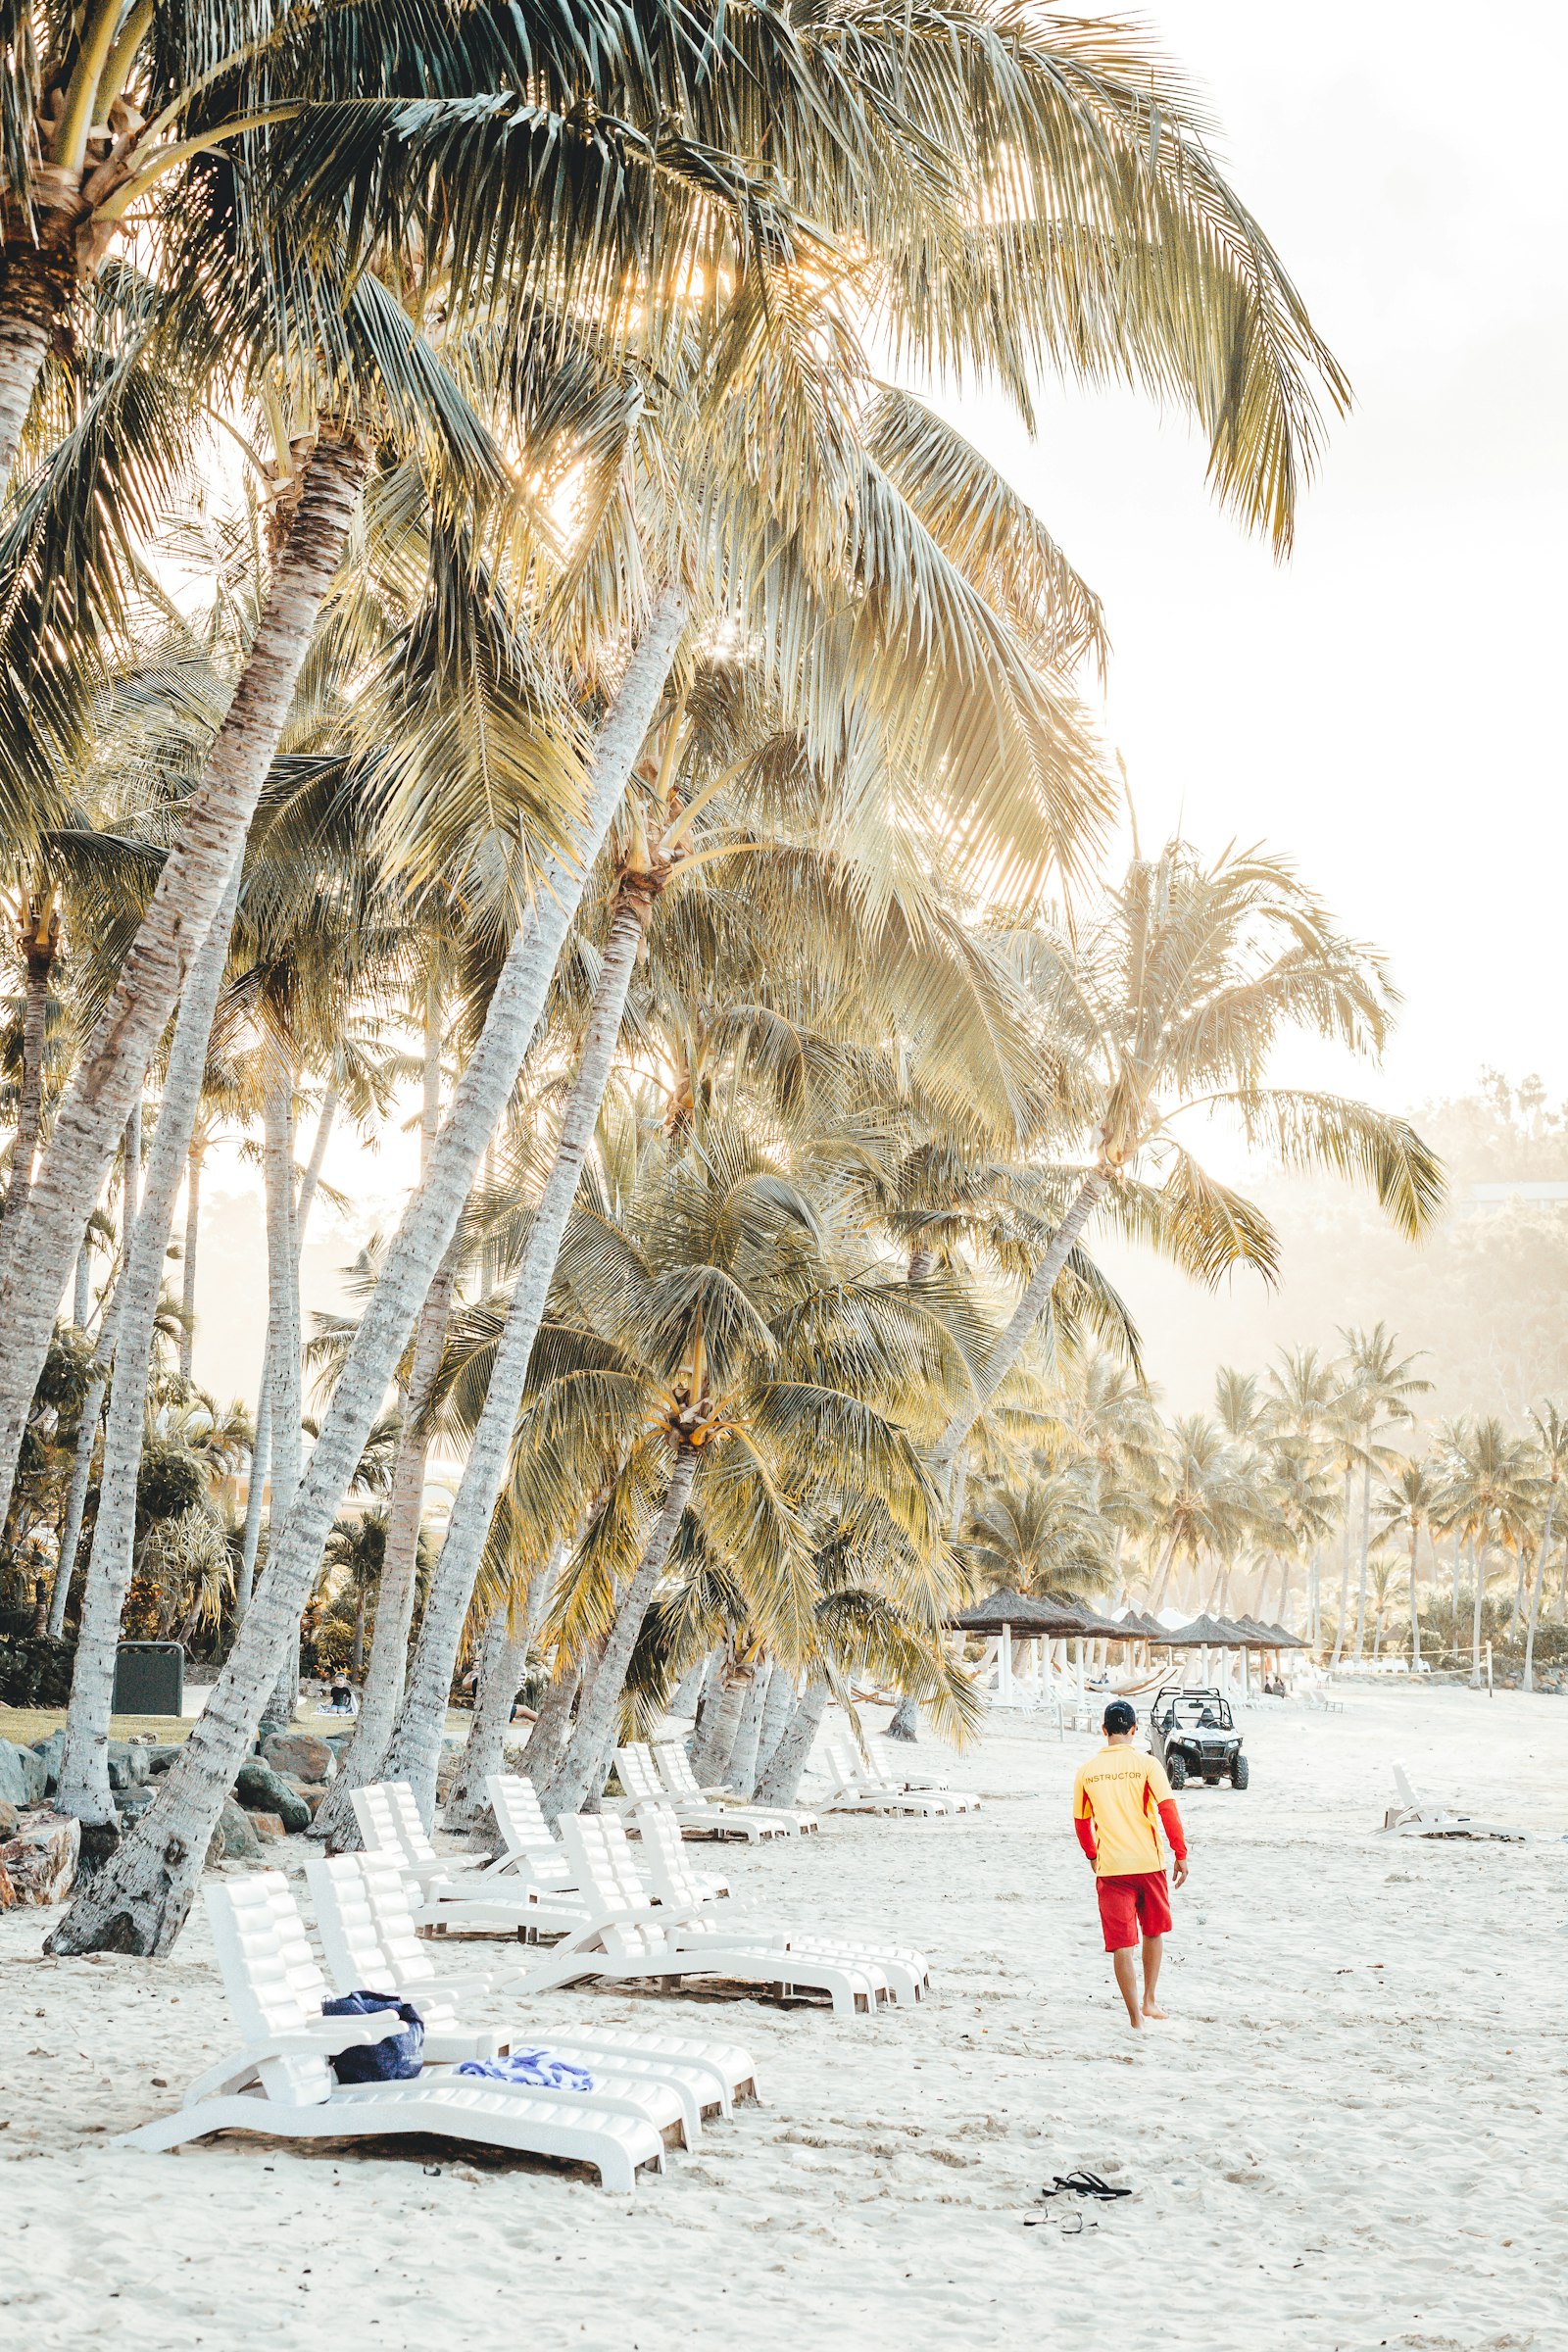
[[1115, 1799]]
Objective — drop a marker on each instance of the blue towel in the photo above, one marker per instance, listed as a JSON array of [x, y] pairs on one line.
[[538, 2069]]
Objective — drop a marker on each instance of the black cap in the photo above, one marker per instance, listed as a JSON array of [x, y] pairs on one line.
[[1120, 1716]]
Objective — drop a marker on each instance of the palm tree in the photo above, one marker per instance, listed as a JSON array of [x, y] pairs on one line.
[[1489, 1492], [1551, 1448], [1407, 1502], [1197, 1510], [1163, 1002], [1381, 1384], [845, 173]]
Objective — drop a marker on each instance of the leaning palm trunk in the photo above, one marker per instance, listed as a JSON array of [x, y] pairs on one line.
[[781, 1780], [503, 1657], [1477, 1551], [29, 1107], [905, 1723], [1036, 1298], [36, 1246], [139, 1900], [84, 1763], [775, 1717], [1415, 1597], [739, 1773], [187, 1252], [1536, 1584], [711, 1754], [416, 1745], [255, 1490], [596, 1724], [283, 1356], [382, 1695], [546, 1741]]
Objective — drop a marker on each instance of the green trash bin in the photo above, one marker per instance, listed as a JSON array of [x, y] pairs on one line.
[[149, 1679]]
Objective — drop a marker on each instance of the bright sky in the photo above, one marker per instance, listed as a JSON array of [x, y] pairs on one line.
[[1385, 707]]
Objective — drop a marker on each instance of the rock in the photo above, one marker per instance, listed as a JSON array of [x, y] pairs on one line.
[[51, 1751], [159, 1759], [306, 1793], [38, 1865], [300, 1756], [235, 1838], [10, 1819], [22, 1774], [133, 1803], [268, 1824], [261, 1789], [131, 1760]]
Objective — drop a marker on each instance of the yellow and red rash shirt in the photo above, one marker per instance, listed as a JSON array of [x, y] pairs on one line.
[[1115, 1799]]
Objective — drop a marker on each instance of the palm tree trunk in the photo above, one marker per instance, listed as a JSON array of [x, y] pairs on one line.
[[1536, 1584], [1157, 1600], [188, 1244], [356, 1654], [1478, 1555], [139, 1900], [546, 1741], [905, 1723], [782, 1777], [382, 1694], [739, 1774], [416, 1744], [33, 297], [503, 1659], [29, 1105], [1036, 1298], [84, 1763], [1454, 1613], [1344, 1570], [284, 1360], [776, 1716], [597, 1721], [92, 1406], [36, 1248], [686, 1697], [1366, 1553], [721, 1727], [81, 1300], [1517, 1612], [1415, 1596], [311, 1175], [255, 1489]]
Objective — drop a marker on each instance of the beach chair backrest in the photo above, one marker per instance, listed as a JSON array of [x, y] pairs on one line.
[[675, 1770], [365, 1922], [1407, 1795], [667, 1853], [841, 1760], [600, 1858], [270, 1976], [519, 1817], [410, 1828], [376, 1816], [634, 1766]]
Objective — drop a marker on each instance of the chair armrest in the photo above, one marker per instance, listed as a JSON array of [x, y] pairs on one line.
[[327, 2036]]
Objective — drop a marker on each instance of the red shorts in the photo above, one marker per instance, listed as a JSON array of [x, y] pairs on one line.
[[1133, 1907]]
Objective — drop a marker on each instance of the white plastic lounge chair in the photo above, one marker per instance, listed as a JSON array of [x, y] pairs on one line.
[[493, 1901], [389, 1823], [630, 1938], [886, 1771], [852, 1788], [699, 1814], [368, 1934], [1417, 1817], [280, 2081], [675, 1886]]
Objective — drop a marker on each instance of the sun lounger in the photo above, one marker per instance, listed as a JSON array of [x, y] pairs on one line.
[[887, 1772], [715, 1813], [632, 1939], [852, 1786], [280, 2081], [368, 1934], [1417, 1817], [498, 1899]]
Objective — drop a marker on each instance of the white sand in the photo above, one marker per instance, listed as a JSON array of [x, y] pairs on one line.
[[1349, 2134]]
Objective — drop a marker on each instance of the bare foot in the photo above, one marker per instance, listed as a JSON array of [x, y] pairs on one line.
[[1135, 2021], [1150, 2010]]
